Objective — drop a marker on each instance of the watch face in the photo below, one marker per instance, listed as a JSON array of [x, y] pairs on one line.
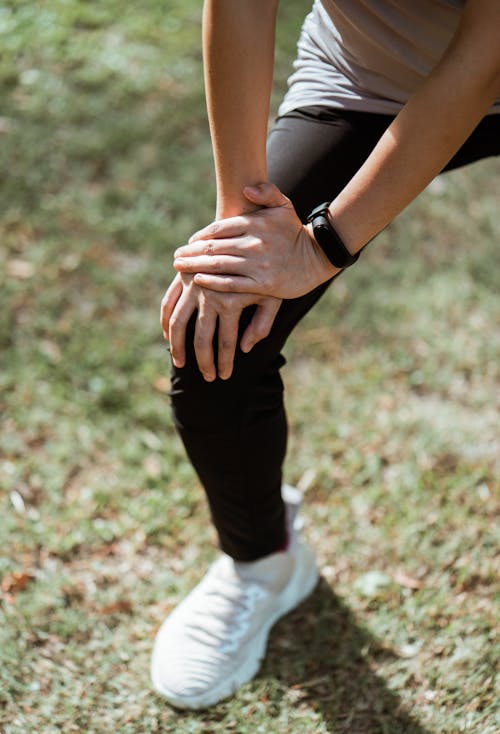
[[323, 230], [328, 239], [323, 234], [330, 244]]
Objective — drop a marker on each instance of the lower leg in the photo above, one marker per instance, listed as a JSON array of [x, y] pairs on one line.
[[235, 435]]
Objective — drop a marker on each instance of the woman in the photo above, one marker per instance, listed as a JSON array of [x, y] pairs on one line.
[[386, 94]]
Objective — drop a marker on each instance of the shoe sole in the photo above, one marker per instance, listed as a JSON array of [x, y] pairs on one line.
[[300, 586]]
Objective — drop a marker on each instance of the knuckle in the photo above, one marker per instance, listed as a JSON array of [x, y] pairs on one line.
[[227, 304], [201, 341], [224, 304], [259, 246], [259, 332], [268, 282]]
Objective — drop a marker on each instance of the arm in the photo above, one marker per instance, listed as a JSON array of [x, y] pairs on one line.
[[238, 51], [424, 136], [428, 131]]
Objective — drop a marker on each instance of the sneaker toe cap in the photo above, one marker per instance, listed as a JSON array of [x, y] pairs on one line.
[[185, 686]]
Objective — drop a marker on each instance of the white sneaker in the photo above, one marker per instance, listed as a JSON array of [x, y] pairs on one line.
[[214, 641]]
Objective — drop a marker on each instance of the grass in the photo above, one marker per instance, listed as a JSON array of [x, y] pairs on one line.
[[103, 525]]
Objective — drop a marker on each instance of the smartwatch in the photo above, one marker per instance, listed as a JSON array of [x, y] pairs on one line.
[[328, 239]]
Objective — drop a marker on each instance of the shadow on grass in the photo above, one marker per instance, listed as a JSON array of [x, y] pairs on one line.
[[322, 655], [319, 658]]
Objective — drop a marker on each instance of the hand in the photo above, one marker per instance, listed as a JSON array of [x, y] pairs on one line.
[[184, 297], [267, 252]]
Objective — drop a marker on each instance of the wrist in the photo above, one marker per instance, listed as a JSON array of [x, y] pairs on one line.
[[232, 202], [326, 269], [337, 220], [354, 230], [234, 209], [328, 238]]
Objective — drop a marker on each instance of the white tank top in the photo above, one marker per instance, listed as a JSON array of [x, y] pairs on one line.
[[369, 55]]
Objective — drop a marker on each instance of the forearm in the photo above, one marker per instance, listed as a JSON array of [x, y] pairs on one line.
[[424, 136], [238, 49]]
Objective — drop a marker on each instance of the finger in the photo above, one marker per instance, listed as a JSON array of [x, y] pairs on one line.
[[203, 341], [229, 283], [217, 264], [260, 325], [168, 303], [223, 246], [177, 330], [266, 194], [230, 227], [228, 339]]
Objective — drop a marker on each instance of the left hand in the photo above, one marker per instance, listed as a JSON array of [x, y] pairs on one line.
[[183, 297], [267, 252]]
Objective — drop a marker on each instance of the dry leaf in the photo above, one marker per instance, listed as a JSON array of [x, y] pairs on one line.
[[410, 649], [21, 269], [123, 606], [372, 583], [5, 125], [17, 501], [74, 593], [152, 466], [112, 549], [14, 582], [403, 579], [161, 383], [51, 350]]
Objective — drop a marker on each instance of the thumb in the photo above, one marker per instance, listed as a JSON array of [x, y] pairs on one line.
[[265, 194]]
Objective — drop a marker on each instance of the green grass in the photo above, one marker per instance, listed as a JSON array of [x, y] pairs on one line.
[[103, 137]]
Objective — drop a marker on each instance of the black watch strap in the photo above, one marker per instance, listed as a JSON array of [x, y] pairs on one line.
[[328, 239]]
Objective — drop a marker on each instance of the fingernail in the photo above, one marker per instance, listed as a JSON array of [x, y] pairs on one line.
[[209, 378]]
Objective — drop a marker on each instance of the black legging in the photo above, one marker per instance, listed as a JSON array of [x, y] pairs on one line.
[[235, 431]]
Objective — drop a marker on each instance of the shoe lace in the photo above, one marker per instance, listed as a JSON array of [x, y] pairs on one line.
[[224, 613]]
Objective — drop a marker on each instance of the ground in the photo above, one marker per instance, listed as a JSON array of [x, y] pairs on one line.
[[392, 384]]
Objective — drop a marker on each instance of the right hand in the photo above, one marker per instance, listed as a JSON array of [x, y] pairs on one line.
[[183, 297], [267, 251]]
